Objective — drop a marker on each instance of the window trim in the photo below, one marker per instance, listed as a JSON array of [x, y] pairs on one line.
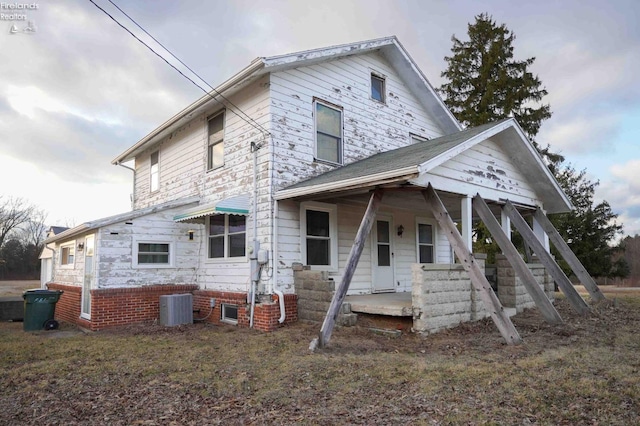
[[222, 140], [155, 174], [69, 265], [224, 318], [335, 107], [383, 79], [434, 227], [332, 209], [226, 258], [135, 250]]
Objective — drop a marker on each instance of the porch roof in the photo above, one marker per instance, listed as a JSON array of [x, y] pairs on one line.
[[407, 164]]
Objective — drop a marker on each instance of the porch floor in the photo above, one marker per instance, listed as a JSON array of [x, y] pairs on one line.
[[391, 304]]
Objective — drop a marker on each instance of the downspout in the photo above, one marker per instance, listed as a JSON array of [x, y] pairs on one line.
[[274, 272], [133, 192]]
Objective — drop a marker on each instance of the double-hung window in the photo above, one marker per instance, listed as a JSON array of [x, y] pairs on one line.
[[377, 88], [426, 242], [215, 144], [328, 120], [319, 236], [67, 254], [154, 172], [227, 236]]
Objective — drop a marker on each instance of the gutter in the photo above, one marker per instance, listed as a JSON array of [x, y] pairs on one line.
[[378, 178]]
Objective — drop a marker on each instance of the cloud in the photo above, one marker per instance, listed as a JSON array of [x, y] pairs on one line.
[[623, 194]]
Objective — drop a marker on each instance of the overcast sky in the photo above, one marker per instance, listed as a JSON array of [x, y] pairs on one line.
[[79, 90]]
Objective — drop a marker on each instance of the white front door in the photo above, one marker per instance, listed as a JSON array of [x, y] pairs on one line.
[[382, 256], [85, 311]]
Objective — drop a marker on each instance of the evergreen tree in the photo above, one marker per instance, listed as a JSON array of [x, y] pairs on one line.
[[485, 83], [588, 229]]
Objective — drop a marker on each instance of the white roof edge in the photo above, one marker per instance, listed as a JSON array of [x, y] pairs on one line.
[[450, 153], [543, 166], [87, 226], [427, 83], [329, 51], [188, 112], [399, 174]]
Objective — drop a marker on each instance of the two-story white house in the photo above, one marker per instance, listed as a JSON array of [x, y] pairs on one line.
[[274, 170]]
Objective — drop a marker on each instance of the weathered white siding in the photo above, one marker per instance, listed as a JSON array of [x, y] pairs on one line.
[[486, 167], [182, 155], [115, 251], [349, 219], [72, 274], [369, 126]]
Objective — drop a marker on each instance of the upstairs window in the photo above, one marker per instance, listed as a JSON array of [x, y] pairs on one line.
[[215, 147], [227, 236], [154, 172], [328, 133], [377, 88]]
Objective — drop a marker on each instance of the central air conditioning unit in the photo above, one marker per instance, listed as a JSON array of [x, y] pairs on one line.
[[176, 309]]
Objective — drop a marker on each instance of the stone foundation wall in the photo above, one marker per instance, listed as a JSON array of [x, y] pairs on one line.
[[512, 293], [443, 296], [315, 291]]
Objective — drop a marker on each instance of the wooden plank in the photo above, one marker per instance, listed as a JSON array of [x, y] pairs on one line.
[[350, 268], [549, 263], [528, 280], [479, 281], [568, 255]]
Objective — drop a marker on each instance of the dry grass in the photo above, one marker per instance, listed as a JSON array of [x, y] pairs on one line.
[[583, 372], [16, 288]]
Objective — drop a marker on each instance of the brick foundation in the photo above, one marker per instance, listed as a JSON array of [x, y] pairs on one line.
[[265, 315], [120, 306]]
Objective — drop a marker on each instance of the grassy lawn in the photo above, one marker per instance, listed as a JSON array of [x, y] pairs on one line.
[[583, 372]]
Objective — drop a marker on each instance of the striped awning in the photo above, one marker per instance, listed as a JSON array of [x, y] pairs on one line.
[[238, 205]]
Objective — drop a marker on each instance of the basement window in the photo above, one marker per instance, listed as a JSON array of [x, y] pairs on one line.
[[229, 313], [377, 88]]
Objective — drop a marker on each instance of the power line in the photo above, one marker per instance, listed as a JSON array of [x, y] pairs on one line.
[[247, 120]]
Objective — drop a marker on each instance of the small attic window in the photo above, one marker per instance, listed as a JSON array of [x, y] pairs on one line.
[[377, 88]]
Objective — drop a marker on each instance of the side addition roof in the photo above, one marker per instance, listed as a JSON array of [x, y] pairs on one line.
[[88, 226], [389, 47]]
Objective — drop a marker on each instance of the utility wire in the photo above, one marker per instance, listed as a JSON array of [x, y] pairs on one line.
[[247, 120]]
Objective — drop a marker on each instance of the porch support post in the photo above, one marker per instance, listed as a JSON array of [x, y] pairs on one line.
[[479, 281], [505, 224], [541, 235], [467, 222], [528, 280], [552, 267], [349, 270], [568, 255]]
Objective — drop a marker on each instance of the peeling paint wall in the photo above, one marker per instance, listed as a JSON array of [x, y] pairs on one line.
[[487, 166], [369, 126], [115, 252]]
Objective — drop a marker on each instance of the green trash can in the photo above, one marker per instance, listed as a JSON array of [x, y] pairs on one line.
[[39, 309]]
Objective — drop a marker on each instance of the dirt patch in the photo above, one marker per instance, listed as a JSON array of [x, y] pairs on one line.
[[582, 372], [16, 288]]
